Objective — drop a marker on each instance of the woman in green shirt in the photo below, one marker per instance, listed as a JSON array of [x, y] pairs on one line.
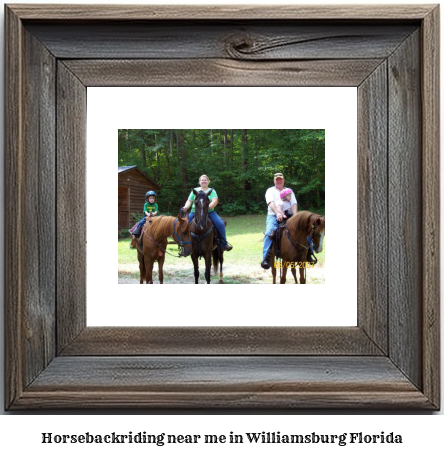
[[204, 182]]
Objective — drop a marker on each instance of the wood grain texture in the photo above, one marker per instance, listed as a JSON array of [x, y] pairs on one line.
[[38, 180], [430, 93], [405, 209], [234, 382], [220, 12], [373, 217], [221, 72], [206, 72], [258, 40], [71, 206], [13, 207], [126, 341], [89, 374]]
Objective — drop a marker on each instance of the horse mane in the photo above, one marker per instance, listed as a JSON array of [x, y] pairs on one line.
[[302, 221], [161, 226]]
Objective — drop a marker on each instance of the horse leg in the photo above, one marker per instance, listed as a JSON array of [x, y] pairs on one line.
[[196, 268], [141, 266], [208, 267], [273, 268], [293, 271], [221, 262], [149, 269], [284, 273], [218, 260], [161, 260], [302, 275]]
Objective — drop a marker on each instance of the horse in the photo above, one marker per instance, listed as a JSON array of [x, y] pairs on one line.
[[203, 236], [295, 244], [154, 243]]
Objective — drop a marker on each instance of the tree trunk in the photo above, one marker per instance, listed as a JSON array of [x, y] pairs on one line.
[[232, 146], [181, 143], [244, 150], [142, 153], [247, 183], [226, 148]]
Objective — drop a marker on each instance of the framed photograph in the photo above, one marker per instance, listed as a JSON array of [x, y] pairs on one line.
[[56, 56], [152, 158]]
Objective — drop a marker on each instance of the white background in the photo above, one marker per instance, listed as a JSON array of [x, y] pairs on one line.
[[423, 434], [329, 304]]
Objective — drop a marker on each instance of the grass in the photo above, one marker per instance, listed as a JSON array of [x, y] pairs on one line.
[[241, 265]]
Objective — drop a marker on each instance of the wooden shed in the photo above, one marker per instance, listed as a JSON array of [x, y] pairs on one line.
[[133, 185]]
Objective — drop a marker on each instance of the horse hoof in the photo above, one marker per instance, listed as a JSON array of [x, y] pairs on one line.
[[221, 281]]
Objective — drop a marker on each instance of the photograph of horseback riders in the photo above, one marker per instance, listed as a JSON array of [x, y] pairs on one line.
[[224, 206]]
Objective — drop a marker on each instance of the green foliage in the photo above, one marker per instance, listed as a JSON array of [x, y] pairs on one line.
[[232, 209], [240, 164], [123, 234]]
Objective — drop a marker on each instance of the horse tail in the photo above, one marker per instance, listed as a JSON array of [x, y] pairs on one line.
[[216, 260]]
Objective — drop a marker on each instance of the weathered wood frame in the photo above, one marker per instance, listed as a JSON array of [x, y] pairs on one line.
[[390, 360]]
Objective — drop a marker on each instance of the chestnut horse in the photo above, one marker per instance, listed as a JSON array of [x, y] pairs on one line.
[[295, 244], [154, 243], [203, 238]]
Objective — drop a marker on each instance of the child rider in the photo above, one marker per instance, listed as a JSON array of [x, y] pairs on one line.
[[150, 209]]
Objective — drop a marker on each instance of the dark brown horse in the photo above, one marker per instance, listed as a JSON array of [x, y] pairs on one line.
[[203, 238], [154, 240], [295, 244]]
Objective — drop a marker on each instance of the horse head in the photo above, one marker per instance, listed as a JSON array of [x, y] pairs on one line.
[[201, 206], [317, 231], [183, 234], [305, 224]]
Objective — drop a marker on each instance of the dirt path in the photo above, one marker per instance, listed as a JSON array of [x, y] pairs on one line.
[[232, 275]]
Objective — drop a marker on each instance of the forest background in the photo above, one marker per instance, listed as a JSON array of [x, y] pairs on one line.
[[239, 162]]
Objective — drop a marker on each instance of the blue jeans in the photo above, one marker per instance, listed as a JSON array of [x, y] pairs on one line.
[[138, 228], [272, 225], [218, 224]]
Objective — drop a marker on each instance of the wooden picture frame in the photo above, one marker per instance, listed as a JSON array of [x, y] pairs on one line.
[[390, 360]]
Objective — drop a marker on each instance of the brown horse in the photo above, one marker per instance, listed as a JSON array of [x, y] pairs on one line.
[[295, 245], [154, 240], [203, 239]]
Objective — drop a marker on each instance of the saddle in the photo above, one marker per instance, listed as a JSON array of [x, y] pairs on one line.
[[138, 242]]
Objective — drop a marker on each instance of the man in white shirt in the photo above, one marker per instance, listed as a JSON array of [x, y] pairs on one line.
[[275, 214]]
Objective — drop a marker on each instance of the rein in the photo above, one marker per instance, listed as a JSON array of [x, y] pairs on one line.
[[309, 241], [180, 242]]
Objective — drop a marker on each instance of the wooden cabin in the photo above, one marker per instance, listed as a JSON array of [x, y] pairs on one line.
[[133, 185]]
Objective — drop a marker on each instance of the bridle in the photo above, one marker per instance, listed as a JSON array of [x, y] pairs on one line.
[[309, 241], [198, 238], [176, 233]]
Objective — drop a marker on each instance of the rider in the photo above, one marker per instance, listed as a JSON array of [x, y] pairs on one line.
[[274, 215], [286, 202], [150, 209], [204, 181]]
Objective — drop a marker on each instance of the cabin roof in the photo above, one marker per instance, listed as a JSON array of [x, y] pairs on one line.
[[124, 169]]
